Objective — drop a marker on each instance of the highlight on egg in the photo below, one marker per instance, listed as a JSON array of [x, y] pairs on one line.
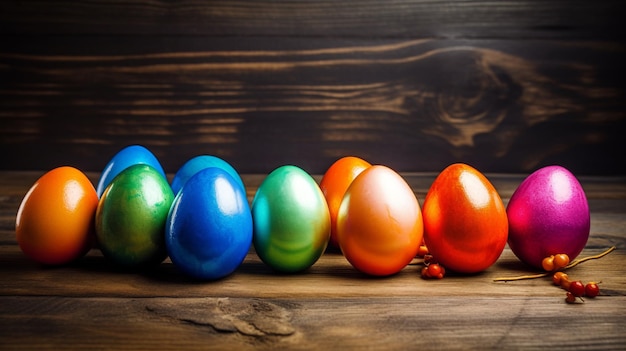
[[465, 221], [548, 215]]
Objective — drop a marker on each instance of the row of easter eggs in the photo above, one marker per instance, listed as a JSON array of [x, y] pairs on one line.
[[204, 223]]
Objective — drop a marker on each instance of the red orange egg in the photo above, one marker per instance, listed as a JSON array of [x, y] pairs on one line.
[[465, 221]]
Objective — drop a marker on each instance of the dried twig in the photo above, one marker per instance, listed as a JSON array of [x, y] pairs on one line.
[[545, 274]]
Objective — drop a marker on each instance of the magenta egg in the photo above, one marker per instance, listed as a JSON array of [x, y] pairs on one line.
[[548, 214]]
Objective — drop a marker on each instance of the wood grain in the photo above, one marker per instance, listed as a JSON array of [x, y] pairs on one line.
[[416, 85], [416, 105], [362, 19], [305, 324]]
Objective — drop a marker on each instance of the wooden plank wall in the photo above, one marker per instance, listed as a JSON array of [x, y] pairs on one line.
[[507, 86]]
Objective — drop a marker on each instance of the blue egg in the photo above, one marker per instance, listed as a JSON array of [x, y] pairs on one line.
[[128, 156], [199, 163], [208, 232]]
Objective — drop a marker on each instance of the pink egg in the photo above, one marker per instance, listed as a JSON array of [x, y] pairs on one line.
[[548, 215]]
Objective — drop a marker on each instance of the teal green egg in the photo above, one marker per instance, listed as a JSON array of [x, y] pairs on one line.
[[131, 216], [291, 220]]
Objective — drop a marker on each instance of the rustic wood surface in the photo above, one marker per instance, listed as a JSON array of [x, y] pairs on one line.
[[90, 305], [505, 86]]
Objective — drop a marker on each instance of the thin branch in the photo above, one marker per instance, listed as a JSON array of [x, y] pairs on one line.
[[594, 257], [545, 274]]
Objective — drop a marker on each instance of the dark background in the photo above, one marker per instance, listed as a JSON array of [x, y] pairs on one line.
[[506, 86]]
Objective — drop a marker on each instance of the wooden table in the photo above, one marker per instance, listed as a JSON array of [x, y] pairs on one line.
[[89, 305]]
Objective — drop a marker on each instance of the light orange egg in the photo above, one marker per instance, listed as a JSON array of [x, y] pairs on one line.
[[379, 224]]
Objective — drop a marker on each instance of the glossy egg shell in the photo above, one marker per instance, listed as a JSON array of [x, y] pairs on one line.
[[291, 220], [209, 227], [379, 224], [548, 215], [199, 163], [131, 216], [334, 184], [55, 220], [465, 222], [128, 156]]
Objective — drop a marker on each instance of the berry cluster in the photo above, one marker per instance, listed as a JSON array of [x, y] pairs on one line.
[[432, 269], [575, 289], [555, 262]]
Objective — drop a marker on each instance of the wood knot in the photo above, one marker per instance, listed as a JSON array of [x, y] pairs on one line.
[[251, 317]]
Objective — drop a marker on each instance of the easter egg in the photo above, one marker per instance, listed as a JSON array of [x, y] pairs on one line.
[[465, 222], [131, 216], [291, 220], [548, 215], [55, 220], [128, 156], [199, 163], [334, 184], [209, 226], [379, 223]]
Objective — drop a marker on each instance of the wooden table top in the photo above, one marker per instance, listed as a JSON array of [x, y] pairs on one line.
[[89, 305]]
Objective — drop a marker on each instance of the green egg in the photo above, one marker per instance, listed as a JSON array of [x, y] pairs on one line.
[[291, 220], [131, 215]]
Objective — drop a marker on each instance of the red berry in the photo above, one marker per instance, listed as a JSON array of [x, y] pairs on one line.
[[592, 289], [435, 270], [577, 288], [425, 274], [570, 298]]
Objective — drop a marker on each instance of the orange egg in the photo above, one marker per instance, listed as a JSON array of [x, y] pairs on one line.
[[55, 221], [465, 222], [379, 224], [334, 184]]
